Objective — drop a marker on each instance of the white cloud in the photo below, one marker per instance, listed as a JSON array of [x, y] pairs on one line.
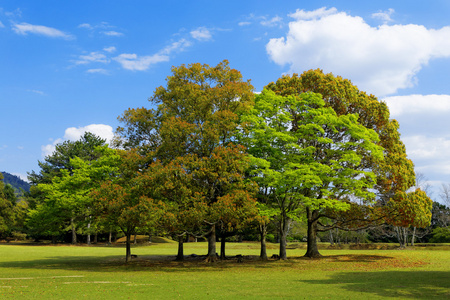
[[1, 25], [201, 34], [244, 23], [421, 147], [92, 57], [110, 49], [425, 105], [180, 45], [37, 92], [142, 63], [384, 16], [112, 33], [98, 71], [73, 134], [379, 60], [300, 14], [275, 21], [25, 28], [86, 26]]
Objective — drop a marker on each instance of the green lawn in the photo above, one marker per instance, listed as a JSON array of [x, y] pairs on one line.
[[69, 272]]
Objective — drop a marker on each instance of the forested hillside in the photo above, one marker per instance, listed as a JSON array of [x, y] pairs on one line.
[[16, 182]]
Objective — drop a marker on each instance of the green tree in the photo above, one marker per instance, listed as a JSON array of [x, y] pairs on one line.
[[395, 173], [308, 158], [195, 122], [7, 203], [50, 168], [124, 197]]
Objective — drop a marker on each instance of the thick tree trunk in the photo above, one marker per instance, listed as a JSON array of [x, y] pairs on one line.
[[180, 254], [312, 250], [284, 225], [74, 233], [212, 254], [128, 247], [263, 233], [222, 248]]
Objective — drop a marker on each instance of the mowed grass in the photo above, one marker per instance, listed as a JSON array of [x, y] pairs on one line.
[[76, 272]]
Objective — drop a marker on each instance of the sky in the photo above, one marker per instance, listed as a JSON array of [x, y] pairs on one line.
[[67, 67]]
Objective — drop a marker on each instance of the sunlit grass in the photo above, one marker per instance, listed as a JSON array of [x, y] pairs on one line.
[[69, 272]]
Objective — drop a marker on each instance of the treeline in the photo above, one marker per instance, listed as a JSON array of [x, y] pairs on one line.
[[211, 159]]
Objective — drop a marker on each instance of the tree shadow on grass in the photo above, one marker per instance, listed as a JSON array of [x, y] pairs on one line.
[[167, 263], [397, 284], [163, 263]]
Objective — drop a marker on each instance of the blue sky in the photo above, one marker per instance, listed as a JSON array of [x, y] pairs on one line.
[[71, 66]]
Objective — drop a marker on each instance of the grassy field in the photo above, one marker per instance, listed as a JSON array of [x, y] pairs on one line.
[[76, 272]]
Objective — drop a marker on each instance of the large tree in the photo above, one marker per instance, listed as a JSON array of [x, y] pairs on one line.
[[308, 158], [395, 173], [195, 121]]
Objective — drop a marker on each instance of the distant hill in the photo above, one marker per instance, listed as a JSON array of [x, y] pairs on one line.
[[16, 182]]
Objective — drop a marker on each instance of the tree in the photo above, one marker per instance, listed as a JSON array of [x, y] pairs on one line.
[[395, 173], [195, 123], [7, 203], [51, 168], [308, 158], [445, 194], [124, 197]]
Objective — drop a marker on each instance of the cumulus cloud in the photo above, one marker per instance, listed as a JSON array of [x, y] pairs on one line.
[[75, 133], [139, 63], [201, 34], [380, 60], [425, 105], [25, 28]]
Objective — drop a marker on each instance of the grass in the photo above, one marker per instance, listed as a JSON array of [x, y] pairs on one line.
[[74, 272]]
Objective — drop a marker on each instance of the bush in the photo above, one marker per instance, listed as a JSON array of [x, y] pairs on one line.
[[440, 235]]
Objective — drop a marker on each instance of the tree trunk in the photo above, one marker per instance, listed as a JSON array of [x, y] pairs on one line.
[[222, 248], [88, 239], [413, 236], [135, 239], [312, 250], [128, 247], [74, 233], [263, 233], [212, 254], [331, 238], [400, 236], [96, 238], [284, 226], [110, 237], [53, 239], [180, 254]]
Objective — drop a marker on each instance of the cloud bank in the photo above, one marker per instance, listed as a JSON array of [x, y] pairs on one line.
[[380, 60]]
